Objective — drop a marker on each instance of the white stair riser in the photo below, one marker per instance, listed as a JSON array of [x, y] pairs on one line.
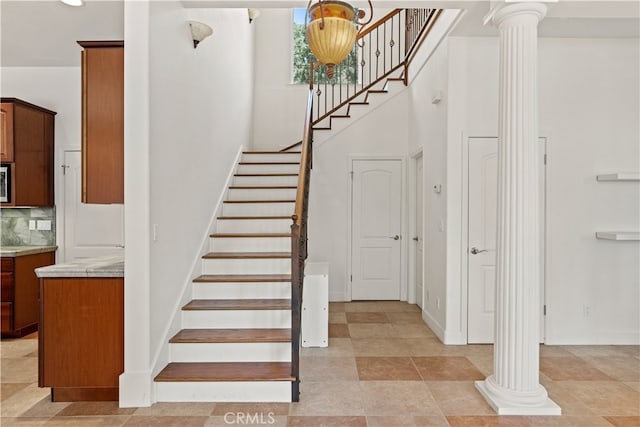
[[241, 391], [265, 180], [241, 290], [193, 319], [268, 168], [257, 209], [250, 244], [262, 194], [270, 158], [246, 266], [230, 352], [254, 225]]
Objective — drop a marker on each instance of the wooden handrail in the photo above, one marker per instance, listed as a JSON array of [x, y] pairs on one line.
[[379, 22], [302, 177]]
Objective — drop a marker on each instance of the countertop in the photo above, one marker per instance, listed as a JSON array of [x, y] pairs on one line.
[[14, 251], [105, 266]]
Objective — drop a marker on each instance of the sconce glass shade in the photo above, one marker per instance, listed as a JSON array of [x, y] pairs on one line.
[[199, 32], [331, 37], [253, 14], [72, 2]]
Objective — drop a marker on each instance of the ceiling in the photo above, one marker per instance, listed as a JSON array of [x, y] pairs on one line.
[[44, 33]]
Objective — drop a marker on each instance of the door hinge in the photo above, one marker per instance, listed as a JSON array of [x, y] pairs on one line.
[[64, 169], [351, 173], [544, 310], [351, 278], [545, 159]]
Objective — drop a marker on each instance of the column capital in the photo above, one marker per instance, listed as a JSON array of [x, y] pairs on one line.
[[504, 10]]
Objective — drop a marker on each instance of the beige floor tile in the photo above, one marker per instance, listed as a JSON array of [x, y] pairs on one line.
[[339, 330], [407, 421], [602, 350], [230, 419], [570, 404], [487, 421], [94, 409], [411, 330], [327, 421], [622, 368], [22, 422], [605, 397], [166, 421], [328, 369], [483, 363], [554, 351], [262, 409], [338, 347], [45, 408], [633, 384], [381, 306], [337, 317], [387, 369], [329, 398], [19, 370], [176, 409], [571, 369], [96, 421], [568, 421], [393, 398], [366, 317], [20, 347], [459, 398], [336, 307], [21, 401], [9, 389], [447, 368], [623, 421], [371, 330], [406, 317], [384, 346]]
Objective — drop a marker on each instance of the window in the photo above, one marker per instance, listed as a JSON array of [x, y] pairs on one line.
[[344, 74]]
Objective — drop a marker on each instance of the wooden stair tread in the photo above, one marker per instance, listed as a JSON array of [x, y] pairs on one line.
[[223, 218], [225, 371], [238, 304], [242, 278], [259, 201], [340, 116], [359, 103], [231, 336], [247, 255], [378, 91], [244, 235], [263, 187]]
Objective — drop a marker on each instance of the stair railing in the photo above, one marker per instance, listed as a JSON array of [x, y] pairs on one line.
[[299, 245], [387, 46]]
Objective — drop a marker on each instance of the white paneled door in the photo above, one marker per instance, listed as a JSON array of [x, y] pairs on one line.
[[376, 229], [89, 230], [418, 238], [481, 245]]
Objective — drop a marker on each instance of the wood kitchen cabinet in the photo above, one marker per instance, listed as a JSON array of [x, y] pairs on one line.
[[27, 146], [20, 293], [81, 338], [102, 122]]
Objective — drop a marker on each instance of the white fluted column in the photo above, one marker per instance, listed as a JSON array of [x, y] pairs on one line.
[[514, 388]]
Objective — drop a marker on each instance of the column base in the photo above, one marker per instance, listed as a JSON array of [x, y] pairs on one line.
[[503, 404]]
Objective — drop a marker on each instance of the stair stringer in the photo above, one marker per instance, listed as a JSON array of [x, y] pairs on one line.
[[357, 112], [162, 355]]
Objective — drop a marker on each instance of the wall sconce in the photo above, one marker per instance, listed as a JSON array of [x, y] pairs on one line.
[[72, 2], [253, 14], [199, 32]]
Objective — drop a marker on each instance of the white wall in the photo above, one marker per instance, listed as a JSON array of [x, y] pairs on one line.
[[57, 89], [192, 122], [428, 133], [382, 132], [589, 111]]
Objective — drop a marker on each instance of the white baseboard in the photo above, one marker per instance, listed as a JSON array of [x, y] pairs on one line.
[[135, 389]]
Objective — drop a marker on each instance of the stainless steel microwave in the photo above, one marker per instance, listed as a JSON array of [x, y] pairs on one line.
[[5, 183]]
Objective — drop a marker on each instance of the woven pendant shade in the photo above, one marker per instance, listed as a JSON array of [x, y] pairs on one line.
[[331, 44]]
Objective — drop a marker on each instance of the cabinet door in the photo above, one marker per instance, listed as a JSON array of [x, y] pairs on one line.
[[103, 125], [31, 169], [6, 132]]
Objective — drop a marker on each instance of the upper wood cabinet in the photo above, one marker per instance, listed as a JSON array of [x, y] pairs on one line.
[[102, 122], [6, 132], [28, 149]]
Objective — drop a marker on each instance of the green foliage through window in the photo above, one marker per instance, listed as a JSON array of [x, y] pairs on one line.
[[345, 73]]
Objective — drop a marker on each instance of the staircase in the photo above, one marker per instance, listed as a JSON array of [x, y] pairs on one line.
[[236, 343]]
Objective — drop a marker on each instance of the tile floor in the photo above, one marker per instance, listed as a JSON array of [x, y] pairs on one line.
[[383, 367]]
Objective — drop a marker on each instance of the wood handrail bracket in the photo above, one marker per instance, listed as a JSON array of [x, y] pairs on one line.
[[417, 24]]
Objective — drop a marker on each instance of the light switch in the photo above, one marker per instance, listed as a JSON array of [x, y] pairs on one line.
[[32, 224], [44, 225]]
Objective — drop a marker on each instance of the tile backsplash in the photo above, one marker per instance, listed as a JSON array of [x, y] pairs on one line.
[[15, 227]]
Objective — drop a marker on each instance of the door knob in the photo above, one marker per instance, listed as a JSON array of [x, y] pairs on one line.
[[396, 237], [416, 239], [476, 251]]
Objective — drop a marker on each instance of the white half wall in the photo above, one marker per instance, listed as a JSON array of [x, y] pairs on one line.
[[589, 109]]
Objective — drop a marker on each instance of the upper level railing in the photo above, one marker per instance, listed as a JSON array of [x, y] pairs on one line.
[[387, 46]]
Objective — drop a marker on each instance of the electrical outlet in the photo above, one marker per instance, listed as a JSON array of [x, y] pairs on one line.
[[43, 225], [32, 224]]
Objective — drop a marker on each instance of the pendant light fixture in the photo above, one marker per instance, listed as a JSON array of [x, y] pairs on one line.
[[332, 30]]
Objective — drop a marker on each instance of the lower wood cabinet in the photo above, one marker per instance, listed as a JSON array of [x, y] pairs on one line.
[[19, 289], [81, 338]]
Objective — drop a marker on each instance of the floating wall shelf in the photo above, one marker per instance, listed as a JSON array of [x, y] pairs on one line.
[[618, 235], [628, 176]]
